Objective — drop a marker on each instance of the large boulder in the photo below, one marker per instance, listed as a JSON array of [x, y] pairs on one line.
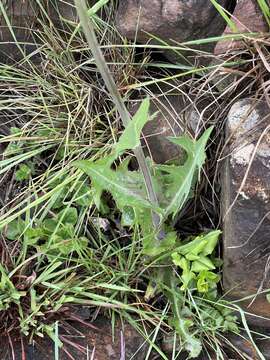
[[246, 207], [172, 21]]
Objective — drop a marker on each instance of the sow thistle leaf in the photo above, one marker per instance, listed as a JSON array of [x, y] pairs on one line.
[[126, 187], [183, 319], [203, 244], [211, 241], [206, 280], [130, 138], [193, 259], [202, 264], [166, 244], [179, 180]]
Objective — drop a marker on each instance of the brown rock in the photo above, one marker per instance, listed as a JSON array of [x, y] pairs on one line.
[[173, 117], [21, 15], [239, 346], [165, 124], [173, 21], [264, 346], [246, 207], [24, 17], [248, 17]]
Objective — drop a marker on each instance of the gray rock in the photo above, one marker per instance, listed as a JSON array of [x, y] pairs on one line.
[[173, 21], [246, 206]]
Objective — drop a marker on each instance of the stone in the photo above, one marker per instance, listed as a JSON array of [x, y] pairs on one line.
[[173, 116], [21, 15], [248, 17], [240, 346], [264, 346], [24, 17], [165, 124], [246, 207], [172, 21]]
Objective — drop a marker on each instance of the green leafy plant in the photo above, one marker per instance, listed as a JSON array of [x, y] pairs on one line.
[[53, 237], [197, 267], [23, 173], [150, 199], [174, 185]]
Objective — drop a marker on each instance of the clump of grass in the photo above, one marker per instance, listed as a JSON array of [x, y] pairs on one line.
[[58, 112]]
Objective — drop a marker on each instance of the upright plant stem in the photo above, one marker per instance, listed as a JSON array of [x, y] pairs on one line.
[[102, 66]]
